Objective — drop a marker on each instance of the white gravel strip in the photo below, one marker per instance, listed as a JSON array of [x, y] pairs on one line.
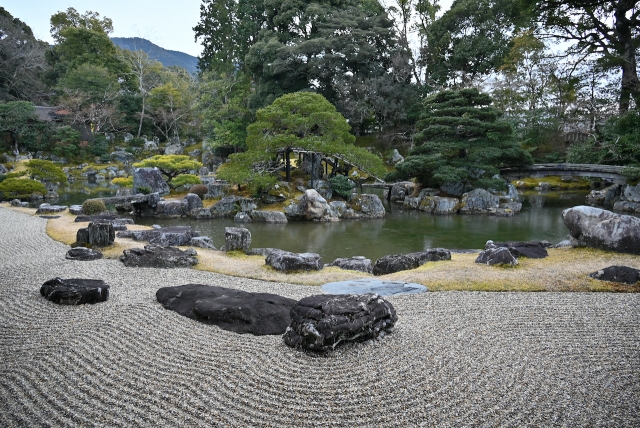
[[455, 359]]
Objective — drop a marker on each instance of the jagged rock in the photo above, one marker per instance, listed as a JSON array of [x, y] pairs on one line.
[[97, 234], [310, 206], [190, 203], [48, 209], [604, 198], [372, 285], [322, 187], [496, 256], [118, 223], [173, 149], [122, 157], [202, 242], [280, 192], [216, 190], [401, 190], [366, 206], [157, 256], [627, 207], [83, 254], [277, 217], [237, 239], [76, 209], [439, 205], [168, 236], [411, 203], [598, 228], [233, 310], [631, 193], [320, 323], [358, 263], [532, 249], [169, 209], [149, 180], [285, 261], [75, 291], [230, 205], [242, 217], [17, 203], [478, 201], [399, 262], [623, 274]]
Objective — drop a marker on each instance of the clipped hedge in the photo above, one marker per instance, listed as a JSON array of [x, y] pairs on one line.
[[93, 206], [21, 188]]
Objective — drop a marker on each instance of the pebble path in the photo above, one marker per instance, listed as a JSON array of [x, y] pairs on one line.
[[455, 359]]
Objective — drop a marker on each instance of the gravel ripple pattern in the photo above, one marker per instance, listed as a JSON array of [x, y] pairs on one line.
[[455, 359]]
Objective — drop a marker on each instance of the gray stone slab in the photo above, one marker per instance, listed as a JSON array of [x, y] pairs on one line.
[[370, 285]]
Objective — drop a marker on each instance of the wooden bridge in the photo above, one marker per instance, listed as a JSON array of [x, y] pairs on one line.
[[606, 172]]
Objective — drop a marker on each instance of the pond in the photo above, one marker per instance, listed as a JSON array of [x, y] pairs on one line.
[[399, 232]]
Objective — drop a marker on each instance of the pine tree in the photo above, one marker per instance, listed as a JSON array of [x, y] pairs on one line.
[[461, 139]]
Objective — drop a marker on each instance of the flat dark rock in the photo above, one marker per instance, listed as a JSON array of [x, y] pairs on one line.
[[83, 254], [285, 261], [158, 256], [173, 235], [358, 263], [49, 217], [623, 274], [399, 262], [531, 249], [75, 291], [320, 323], [371, 285], [233, 310]]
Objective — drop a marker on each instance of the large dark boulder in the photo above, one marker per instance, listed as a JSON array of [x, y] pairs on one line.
[[320, 323], [598, 228], [399, 262], [97, 234], [167, 236], [233, 310], [83, 254], [496, 256], [285, 261], [237, 239], [157, 256], [75, 291], [358, 263], [149, 180], [531, 249], [623, 274]]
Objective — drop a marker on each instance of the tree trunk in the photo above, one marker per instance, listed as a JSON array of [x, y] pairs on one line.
[[288, 164], [630, 85], [141, 117]]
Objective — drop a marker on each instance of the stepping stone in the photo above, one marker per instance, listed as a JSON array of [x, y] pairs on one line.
[[83, 254], [371, 285], [75, 291]]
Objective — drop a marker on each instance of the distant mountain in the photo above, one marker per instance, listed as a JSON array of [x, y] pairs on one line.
[[166, 57]]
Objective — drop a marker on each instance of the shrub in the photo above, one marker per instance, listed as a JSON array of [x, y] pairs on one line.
[[123, 181], [20, 188], [200, 190], [93, 206], [46, 170], [100, 146], [342, 186], [184, 180], [261, 184]]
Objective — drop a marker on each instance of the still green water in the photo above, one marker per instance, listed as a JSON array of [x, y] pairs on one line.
[[399, 232]]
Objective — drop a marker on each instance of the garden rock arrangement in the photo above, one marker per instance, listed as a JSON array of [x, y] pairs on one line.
[[75, 291], [83, 254], [167, 236], [118, 223], [358, 263], [372, 285], [285, 261], [622, 274], [232, 310], [50, 209], [532, 249], [310, 206], [97, 234], [493, 255], [400, 262], [157, 256], [149, 180], [605, 230], [622, 198], [237, 239], [320, 323]]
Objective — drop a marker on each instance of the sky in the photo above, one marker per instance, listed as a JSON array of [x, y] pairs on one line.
[[167, 23]]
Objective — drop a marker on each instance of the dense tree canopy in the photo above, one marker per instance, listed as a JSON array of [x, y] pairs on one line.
[[461, 139], [304, 120]]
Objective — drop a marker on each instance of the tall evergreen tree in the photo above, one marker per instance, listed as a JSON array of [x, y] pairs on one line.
[[461, 139]]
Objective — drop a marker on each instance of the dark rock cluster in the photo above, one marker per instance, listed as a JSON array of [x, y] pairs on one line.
[[320, 323], [399, 262]]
